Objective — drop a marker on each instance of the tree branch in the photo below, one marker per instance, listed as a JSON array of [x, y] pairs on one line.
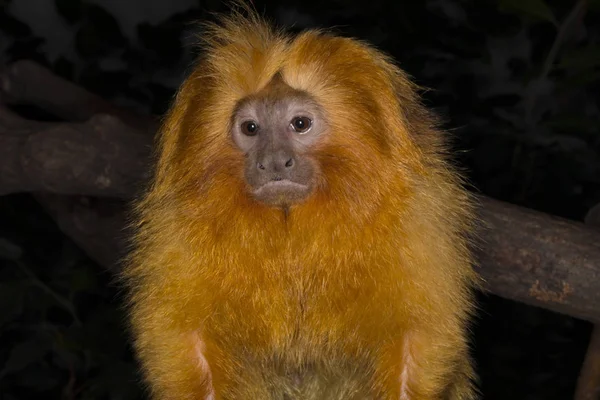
[[100, 157], [526, 255], [26, 82]]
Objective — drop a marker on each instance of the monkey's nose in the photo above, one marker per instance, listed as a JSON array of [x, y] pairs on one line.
[[276, 163]]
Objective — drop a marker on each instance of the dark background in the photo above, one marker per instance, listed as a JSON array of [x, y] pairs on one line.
[[524, 118]]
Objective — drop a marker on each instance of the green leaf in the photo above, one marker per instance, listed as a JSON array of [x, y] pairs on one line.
[[575, 124], [64, 68], [594, 5], [99, 34], [24, 354], [9, 250], [70, 10], [12, 27], [119, 381], [66, 359], [537, 9], [582, 79], [82, 279], [40, 378], [11, 300], [588, 57]]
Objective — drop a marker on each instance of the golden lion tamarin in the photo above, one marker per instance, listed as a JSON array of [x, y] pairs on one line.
[[304, 235]]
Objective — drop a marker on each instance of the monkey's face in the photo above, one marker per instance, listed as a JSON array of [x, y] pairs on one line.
[[275, 129], [317, 124]]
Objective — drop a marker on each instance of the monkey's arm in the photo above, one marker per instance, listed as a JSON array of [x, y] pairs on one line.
[[172, 359], [426, 365], [429, 359], [462, 385]]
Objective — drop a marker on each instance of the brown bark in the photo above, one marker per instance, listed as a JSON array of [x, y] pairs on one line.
[[525, 255], [588, 384], [540, 259], [26, 82], [99, 157]]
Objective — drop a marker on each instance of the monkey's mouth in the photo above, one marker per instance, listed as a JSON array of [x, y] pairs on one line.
[[282, 191]]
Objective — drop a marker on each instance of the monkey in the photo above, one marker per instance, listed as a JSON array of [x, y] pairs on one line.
[[305, 234]]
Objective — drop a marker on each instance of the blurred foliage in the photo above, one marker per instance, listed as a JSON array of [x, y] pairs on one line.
[[517, 82], [62, 332]]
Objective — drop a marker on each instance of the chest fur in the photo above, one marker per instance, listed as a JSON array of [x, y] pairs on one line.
[[319, 306]]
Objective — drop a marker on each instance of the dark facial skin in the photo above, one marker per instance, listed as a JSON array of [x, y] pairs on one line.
[[274, 130]]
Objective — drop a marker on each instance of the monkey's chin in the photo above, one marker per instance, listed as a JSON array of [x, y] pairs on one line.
[[282, 193]]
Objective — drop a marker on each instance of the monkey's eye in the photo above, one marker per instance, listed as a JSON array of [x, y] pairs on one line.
[[301, 124], [249, 128]]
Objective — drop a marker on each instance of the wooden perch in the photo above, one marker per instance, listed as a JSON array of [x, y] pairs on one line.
[[525, 255], [588, 384], [540, 259], [26, 82], [99, 157]]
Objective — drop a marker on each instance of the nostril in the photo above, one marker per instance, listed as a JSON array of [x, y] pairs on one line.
[[289, 163], [260, 166]]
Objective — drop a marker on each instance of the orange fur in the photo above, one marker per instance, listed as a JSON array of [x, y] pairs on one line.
[[362, 292]]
